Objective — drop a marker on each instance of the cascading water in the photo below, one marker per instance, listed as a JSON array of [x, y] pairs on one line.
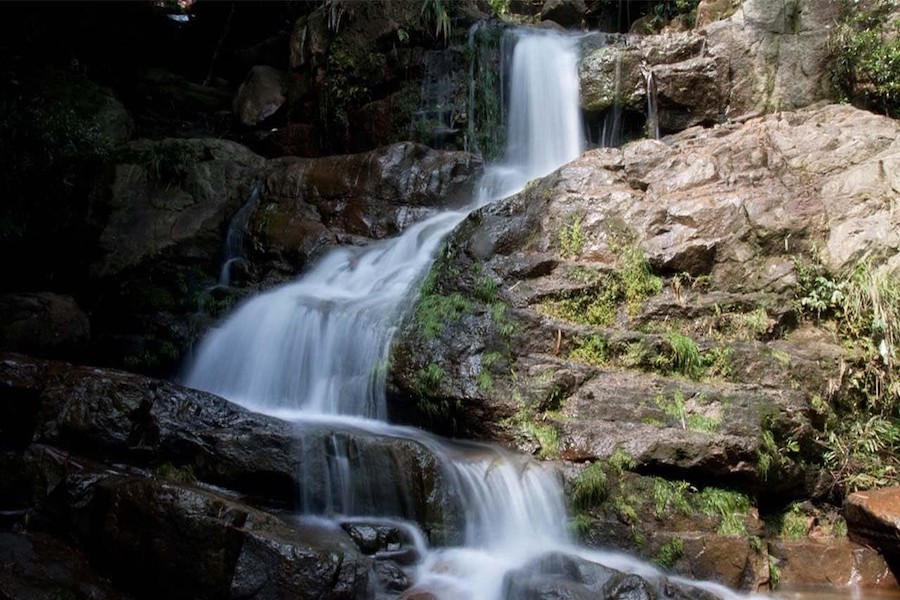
[[313, 352]]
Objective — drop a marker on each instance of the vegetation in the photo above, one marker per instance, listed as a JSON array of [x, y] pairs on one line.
[[670, 495], [572, 238], [590, 487], [861, 410], [866, 52], [598, 302], [592, 350], [729, 506], [669, 553]]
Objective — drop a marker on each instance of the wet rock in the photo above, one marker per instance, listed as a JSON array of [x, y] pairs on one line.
[[43, 324], [390, 577], [170, 539], [262, 93], [152, 423], [172, 194], [310, 205], [873, 517], [830, 562]]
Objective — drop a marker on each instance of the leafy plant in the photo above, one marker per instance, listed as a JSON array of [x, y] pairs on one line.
[[685, 355], [670, 495], [866, 54], [591, 350]]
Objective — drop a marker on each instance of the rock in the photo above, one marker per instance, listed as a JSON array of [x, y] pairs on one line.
[[777, 52], [832, 563], [389, 577], [263, 92], [43, 324], [172, 194], [309, 205], [568, 13], [160, 425], [36, 565], [507, 313], [175, 540], [873, 518], [691, 84]]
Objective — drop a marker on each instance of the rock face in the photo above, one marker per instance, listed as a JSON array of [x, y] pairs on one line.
[[560, 319], [172, 204], [764, 56], [309, 206], [263, 92], [124, 465], [873, 517]]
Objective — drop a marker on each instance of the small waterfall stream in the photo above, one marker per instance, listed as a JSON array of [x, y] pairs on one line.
[[313, 352]]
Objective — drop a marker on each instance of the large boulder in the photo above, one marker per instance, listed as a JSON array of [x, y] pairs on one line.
[[262, 94], [778, 54], [765, 56]]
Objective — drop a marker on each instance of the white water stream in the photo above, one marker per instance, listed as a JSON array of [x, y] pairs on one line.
[[312, 351]]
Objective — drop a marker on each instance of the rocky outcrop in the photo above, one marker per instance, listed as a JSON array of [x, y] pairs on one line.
[[561, 319], [263, 92], [568, 13], [154, 482], [171, 204], [740, 61]]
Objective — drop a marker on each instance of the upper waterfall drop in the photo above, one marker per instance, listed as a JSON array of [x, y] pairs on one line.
[[319, 345]]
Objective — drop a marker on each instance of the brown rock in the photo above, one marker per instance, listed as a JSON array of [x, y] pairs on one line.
[[873, 518], [830, 562]]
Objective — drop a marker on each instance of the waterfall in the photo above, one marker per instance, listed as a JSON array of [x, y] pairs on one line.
[[611, 131], [233, 250], [313, 351]]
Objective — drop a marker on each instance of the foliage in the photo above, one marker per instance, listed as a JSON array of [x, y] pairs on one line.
[[590, 487], [591, 350], [669, 553], [866, 50], [435, 14], [547, 437], [862, 408], [731, 507], [670, 495], [685, 355], [427, 379], [183, 474], [792, 523], [434, 310], [499, 7], [676, 408], [572, 238], [666, 10], [597, 303], [580, 525], [772, 453]]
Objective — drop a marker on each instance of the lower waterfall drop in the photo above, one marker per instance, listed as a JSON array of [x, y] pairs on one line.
[[312, 352]]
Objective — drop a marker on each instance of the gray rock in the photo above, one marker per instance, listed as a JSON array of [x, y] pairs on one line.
[[263, 92], [43, 324]]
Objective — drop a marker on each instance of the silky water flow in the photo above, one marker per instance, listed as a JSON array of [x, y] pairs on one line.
[[313, 352]]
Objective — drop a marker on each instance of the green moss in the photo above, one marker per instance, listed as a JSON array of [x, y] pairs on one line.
[[182, 474], [435, 311], [547, 437], [598, 302], [571, 238], [579, 526], [793, 523], [669, 553]]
